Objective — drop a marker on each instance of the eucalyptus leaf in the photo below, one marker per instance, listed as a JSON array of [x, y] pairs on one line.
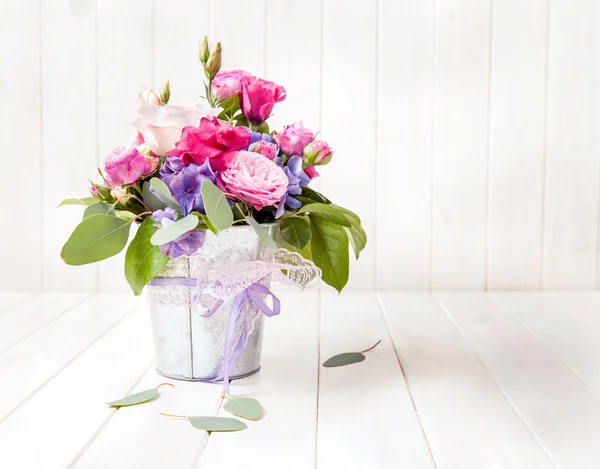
[[96, 238], [217, 208], [344, 359], [245, 407], [238, 213], [97, 208], [163, 193], [329, 248], [138, 398], [328, 211], [262, 233], [143, 260], [153, 202], [86, 201], [296, 231], [213, 424], [126, 215], [173, 231]]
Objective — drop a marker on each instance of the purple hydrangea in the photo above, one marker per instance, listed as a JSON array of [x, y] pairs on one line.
[[257, 136], [297, 180], [185, 183], [186, 245]]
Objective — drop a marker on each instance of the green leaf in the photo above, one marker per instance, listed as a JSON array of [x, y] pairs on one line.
[[329, 247], [356, 233], [175, 230], [126, 215], [314, 195], [262, 233], [344, 359], [217, 208], [100, 207], [245, 407], [153, 202], [96, 238], [217, 424], [281, 243], [164, 194], [230, 106], [328, 211], [208, 224], [296, 231], [240, 120], [138, 398], [86, 201], [238, 212], [143, 260], [263, 128]]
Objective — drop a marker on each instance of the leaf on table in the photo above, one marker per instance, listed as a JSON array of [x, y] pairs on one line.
[[348, 358], [212, 424], [138, 398], [245, 407]]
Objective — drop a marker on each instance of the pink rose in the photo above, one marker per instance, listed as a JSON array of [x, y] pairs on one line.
[[227, 83], [311, 172], [317, 153], [126, 165], [161, 126], [255, 179], [211, 141], [294, 138], [264, 148], [258, 98]]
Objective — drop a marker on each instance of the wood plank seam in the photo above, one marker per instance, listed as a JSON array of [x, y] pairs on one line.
[[434, 68], [500, 388], [488, 201], [42, 385], [545, 148], [596, 394], [89, 443], [406, 380], [204, 442], [571, 311], [320, 303], [67, 310], [19, 302]]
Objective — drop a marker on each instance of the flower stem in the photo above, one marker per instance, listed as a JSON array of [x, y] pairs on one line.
[[165, 384], [371, 348], [174, 416]]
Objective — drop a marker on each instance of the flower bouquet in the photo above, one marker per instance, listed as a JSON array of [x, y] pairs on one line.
[[215, 168]]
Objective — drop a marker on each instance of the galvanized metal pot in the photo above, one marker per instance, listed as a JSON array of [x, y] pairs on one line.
[[188, 346]]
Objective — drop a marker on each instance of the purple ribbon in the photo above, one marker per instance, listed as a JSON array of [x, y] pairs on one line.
[[240, 306]]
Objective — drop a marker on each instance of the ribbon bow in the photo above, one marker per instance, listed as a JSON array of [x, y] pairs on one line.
[[240, 306]]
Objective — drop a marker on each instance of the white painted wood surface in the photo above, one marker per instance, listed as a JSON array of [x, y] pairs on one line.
[[460, 380], [466, 132]]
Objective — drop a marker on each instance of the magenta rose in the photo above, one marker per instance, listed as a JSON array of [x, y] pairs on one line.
[[311, 172], [255, 179], [294, 138], [126, 165], [227, 83], [218, 143], [264, 148], [258, 98], [317, 153]]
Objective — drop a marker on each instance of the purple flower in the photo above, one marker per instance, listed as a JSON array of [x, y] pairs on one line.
[[297, 180], [185, 183], [257, 136], [186, 245], [172, 165]]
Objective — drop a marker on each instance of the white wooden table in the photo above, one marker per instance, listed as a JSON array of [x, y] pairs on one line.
[[460, 380]]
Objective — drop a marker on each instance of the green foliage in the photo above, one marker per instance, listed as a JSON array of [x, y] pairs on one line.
[[330, 212], [344, 359], [262, 233], [153, 202], [164, 194], [138, 398], [97, 208], [175, 230], [356, 233], [217, 208], [143, 260], [329, 247], [230, 106], [296, 231], [86, 201], [315, 196], [96, 238]]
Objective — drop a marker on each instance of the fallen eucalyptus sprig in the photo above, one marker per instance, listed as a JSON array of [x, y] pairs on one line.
[[139, 397], [212, 424], [348, 358]]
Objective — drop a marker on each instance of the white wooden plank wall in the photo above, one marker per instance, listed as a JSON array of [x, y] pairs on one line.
[[466, 130]]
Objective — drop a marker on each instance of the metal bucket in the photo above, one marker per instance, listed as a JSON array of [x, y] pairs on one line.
[[188, 346]]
